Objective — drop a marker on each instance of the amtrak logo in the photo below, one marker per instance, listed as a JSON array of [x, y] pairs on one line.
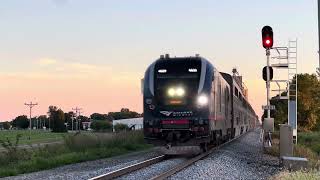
[[177, 114], [167, 113]]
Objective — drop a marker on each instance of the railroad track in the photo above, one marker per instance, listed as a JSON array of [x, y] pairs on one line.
[[149, 162]]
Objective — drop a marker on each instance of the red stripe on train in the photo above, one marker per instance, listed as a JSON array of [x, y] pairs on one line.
[[176, 121], [218, 118]]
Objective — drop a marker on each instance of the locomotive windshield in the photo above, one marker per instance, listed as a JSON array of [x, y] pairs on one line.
[[177, 82]]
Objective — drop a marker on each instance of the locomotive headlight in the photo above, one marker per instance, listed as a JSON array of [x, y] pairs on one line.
[[202, 100], [180, 92], [171, 92]]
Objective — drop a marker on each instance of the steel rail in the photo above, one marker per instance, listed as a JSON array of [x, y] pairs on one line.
[[192, 160], [146, 163], [129, 169]]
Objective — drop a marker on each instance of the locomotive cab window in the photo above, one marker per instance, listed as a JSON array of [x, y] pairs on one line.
[[177, 82]]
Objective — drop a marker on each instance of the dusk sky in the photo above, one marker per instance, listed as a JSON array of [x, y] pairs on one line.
[[92, 54]]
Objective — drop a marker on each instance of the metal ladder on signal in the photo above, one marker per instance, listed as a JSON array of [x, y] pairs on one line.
[[292, 86]]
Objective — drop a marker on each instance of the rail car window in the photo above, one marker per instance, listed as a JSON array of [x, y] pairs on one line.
[[226, 101], [236, 92], [219, 94]]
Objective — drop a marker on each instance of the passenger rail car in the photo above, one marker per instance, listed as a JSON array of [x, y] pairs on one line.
[[188, 103]]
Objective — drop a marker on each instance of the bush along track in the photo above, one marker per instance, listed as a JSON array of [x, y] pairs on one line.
[[76, 148], [308, 147]]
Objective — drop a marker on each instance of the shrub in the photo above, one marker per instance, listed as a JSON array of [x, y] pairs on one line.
[[303, 151], [307, 146], [12, 152], [128, 140], [101, 125], [81, 141], [311, 140], [120, 127], [77, 148]]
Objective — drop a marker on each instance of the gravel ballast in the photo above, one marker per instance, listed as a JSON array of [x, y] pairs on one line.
[[153, 170], [242, 159], [89, 169]]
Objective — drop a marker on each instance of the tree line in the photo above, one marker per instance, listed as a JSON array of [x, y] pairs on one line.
[[60, 121], [308, 116]]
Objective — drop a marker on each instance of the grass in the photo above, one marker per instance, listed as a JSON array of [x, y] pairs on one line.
[[310, 140], [308, 147], [298, 175], [76, 148], [37, 136], [304, 148]]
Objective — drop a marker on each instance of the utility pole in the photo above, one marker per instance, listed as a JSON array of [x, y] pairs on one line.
[[79, 121], [78, 112], [72, 119], [30, 105], [49, 122]]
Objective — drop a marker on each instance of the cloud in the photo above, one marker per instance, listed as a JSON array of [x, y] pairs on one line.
[[46, 61], [50, 68], [62, 66], [88, 68]]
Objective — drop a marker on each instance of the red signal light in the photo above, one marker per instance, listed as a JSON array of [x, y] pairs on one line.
[[267, 42], [267, 37]]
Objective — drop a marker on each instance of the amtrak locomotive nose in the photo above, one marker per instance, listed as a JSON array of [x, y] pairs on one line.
[[187, 103]]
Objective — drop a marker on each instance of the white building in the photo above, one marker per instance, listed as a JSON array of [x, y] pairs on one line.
[[136, 122]]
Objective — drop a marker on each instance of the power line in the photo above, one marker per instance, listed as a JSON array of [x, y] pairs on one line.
[[78, 113], [30, 105]]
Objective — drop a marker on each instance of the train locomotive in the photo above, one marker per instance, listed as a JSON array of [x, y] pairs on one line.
[[188, 104]]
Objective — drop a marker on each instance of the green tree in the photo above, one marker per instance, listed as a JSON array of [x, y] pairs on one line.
[[280, 113], [82, 119], [6, 125], [98, 116], [68, 119], [308, 104], [101, 125], [21, 122], [124, 113], [43, 121], [120, 127], [57, 117], [124, 110], [33, 122]]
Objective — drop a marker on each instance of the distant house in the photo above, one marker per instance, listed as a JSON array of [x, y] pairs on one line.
[[86, 125], [134, 123]]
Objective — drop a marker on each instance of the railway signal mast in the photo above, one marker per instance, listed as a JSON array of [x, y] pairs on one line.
[[267, 43], [318, 69]]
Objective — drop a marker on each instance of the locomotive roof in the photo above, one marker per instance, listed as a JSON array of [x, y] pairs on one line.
[[164, 59]]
